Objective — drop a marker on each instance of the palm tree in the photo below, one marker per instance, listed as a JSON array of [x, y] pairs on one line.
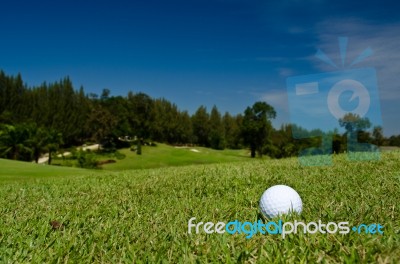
[[38, 141], [13, 142], [54, 140]]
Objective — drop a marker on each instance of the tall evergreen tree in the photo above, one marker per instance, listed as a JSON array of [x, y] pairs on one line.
[[185, 128], [232, 130], [140, 108], [201, 126], [217, 133], [100, 123]]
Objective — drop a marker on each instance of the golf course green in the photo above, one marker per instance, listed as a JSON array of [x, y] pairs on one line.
[[57, 214]]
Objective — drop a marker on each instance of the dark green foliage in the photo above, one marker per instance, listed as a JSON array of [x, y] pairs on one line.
[[201, 127], [54, 140], [217, 131], [56, 106], [169, 124], [353, 122], [86, 159], [378, 138], [83, 118], [139, 147], [140, 108], [28, 142], [338, 144], [108, 145], [100, 122], [282, 144], [233, 139], [38, 141], [39, 120], [394, 141], [14, 142], [256, 126]]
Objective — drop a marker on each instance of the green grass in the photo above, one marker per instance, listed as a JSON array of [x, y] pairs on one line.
[[21, 171], [389, 148], [141, 215], [167, 156]]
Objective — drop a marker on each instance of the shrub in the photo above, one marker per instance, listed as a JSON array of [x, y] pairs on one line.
[[87, 160], [119, 155]]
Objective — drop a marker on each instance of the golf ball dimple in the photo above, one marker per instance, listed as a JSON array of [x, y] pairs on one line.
[[278, 200]]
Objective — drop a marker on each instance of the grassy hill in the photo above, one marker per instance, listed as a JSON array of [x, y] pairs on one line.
[[18, 170], [165, 156], [142, 215]]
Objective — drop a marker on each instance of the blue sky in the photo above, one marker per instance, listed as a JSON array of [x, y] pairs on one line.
[[230, 53]]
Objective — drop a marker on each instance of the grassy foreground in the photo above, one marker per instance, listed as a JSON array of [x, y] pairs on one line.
[[141, 216]]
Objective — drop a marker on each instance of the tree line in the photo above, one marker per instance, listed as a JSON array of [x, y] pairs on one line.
[[35, 120], [32, 116]]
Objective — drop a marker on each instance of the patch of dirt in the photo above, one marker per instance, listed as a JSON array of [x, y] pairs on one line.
[[106, 162]]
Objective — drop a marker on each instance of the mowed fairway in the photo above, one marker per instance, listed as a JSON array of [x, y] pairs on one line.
[[142, 215], [13, 171], [167, 156]]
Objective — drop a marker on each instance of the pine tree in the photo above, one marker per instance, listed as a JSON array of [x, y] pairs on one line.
[[201, 126], [217, 137]]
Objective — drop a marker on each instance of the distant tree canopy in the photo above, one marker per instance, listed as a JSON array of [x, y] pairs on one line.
[[81, 117], [42, 119], [353, 122], [257, 127]]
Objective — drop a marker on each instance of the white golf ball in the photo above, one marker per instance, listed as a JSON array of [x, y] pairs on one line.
[[279, 200]]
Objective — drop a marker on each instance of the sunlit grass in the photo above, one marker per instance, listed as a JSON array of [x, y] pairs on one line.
[[165, 156], [142, 215]]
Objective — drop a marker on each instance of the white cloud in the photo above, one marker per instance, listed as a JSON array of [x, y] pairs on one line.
[[277, 98]]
